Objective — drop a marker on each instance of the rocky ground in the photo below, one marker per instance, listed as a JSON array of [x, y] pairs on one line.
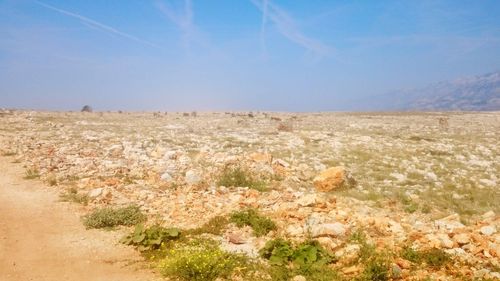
[[429, 180], [43, 239]]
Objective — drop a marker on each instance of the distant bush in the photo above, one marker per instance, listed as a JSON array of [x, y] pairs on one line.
[[86, 108], [109, 217]]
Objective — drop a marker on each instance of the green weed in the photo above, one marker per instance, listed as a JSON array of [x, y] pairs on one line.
[[308, 259], [150, 238]]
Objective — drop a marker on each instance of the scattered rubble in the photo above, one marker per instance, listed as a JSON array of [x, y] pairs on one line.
[[400, 178]]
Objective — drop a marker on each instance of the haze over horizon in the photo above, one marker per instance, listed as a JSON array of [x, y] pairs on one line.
[[236, 55]]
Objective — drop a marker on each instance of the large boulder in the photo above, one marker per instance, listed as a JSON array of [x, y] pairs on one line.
[[328, 229], [193, 177], [333, 178], [261, 157], [94, 193]]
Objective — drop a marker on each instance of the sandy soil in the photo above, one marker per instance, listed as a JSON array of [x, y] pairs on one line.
[[43, 239]]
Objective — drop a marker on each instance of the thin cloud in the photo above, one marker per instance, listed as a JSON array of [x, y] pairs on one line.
[[287, 27], [97, 25], [182, 19]]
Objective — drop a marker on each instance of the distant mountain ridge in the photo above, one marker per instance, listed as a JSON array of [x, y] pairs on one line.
[[474, 93]]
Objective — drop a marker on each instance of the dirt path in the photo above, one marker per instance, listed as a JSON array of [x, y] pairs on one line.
[[43, 239]]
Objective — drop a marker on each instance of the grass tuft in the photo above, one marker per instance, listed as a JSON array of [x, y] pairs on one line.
[[216, 226], [240, 177], [435, 257], [432, 257], [72, 195], [31, 174]]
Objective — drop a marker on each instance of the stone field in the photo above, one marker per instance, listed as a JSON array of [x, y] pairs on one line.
[[419, 180]]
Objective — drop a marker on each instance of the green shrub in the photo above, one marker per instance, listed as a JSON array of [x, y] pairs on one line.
[[410, 254], [216, 226], [201, 260], [150, 238], [366, 251], [377, 268], [109, 217], [376, 264], [261, 225], [358, 236], [238, 176], [72, 195]]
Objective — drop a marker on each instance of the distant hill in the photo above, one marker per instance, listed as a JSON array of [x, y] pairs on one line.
[[475, 93]]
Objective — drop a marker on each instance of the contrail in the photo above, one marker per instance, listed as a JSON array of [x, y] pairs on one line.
[[263, 26], [287, 27], [99, 25], [184, 21]]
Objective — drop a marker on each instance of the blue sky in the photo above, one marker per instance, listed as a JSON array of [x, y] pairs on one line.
[[177, 55]]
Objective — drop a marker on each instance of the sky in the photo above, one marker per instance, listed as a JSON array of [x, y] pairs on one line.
[[183, 55]]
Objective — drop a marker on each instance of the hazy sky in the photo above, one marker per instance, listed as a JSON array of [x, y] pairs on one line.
[[236, 54]]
